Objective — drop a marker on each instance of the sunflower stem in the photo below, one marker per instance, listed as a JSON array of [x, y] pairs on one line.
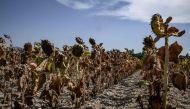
[[166, 68]]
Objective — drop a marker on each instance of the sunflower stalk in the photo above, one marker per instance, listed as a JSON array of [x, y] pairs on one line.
[[166, 68], [77, 105]]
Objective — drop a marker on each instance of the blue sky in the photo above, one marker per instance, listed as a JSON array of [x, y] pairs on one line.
[[117, 23]]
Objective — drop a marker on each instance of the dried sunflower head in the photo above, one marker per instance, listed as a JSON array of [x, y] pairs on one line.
[[149, 42], [92, 41], [77, 50], [47, 47], [157, 25], [59, 60], [28, 47], [79, 40]]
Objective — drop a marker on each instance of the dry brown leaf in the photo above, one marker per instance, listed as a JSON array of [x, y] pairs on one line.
[[172, 31], [174, 51]]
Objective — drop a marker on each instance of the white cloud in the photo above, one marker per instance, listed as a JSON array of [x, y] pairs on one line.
[[140, 10], [77, 4]]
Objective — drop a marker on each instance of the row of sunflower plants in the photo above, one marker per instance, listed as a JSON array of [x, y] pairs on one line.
[[162, 66], [40, 73]]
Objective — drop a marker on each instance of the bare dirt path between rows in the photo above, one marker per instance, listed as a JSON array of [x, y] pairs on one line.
[[121, 96], [124, 94]]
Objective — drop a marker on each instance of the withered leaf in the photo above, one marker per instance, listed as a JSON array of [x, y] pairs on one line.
[[173, 31], [174, 51]]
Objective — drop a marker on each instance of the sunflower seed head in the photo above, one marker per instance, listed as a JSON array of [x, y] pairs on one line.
[[77, 50], [92, 41], [47, 47]]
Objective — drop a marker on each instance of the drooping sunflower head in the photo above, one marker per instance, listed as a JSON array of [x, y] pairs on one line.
[[47, 47], [92, 41], [77, 50], [149, 42], [28, 47], [157, 25], [79, 40]]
